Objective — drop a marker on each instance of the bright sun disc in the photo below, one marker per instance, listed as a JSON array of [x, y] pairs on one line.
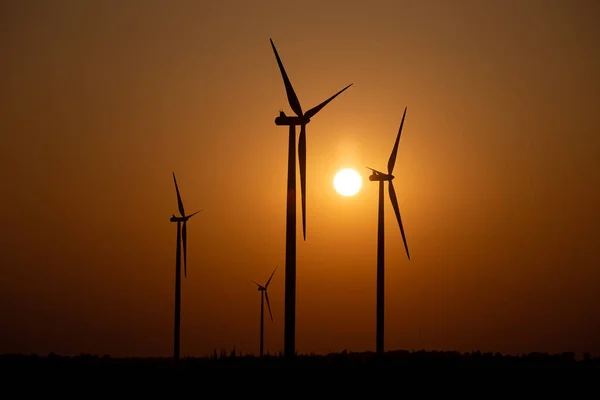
[[347, 182]]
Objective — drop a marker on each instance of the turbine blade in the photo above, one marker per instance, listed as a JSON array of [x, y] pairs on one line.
[[394, 200], [267, 285], [179, 202], [260, 286], [392, 160], [302, 161], [313, 111], [184, 237], [374, 170], [191, 215], [289, 89], [269, 304]]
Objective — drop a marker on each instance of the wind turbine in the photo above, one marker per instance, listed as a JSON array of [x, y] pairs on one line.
[[301, 119], [263, 293], [381, 177], [181, 236]]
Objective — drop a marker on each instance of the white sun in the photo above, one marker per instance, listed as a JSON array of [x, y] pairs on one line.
[[347, 182]]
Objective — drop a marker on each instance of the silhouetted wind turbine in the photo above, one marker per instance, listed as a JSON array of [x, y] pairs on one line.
[[381, 177], [290, 247], [263, 293], [181, 236]]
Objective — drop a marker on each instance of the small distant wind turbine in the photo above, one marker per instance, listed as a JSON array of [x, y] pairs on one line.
[[381, 177], [181, 236], [263, 293], [290, 254]]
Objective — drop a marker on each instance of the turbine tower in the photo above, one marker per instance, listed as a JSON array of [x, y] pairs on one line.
[[181, 236], [300, 119], [263, 293], [381, 177]]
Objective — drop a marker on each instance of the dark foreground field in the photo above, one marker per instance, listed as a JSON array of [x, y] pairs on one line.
[[339, 360]]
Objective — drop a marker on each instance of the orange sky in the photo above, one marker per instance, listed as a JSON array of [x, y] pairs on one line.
[[497, 173]]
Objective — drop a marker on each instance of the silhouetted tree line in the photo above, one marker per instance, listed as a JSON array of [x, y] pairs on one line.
[[343, 359]]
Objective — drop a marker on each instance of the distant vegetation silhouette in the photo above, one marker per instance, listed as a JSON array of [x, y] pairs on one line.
[[344, 359]]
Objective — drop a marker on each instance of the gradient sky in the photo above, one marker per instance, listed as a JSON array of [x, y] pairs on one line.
[[497, 173]]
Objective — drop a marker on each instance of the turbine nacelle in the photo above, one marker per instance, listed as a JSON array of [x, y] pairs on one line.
[[183, 219], [260, 287], [178, 219], [285, 120], [380, 176]]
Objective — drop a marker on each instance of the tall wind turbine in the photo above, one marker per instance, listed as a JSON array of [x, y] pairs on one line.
[[181, 236], [263, 293], [290, 243], [381, 177]]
